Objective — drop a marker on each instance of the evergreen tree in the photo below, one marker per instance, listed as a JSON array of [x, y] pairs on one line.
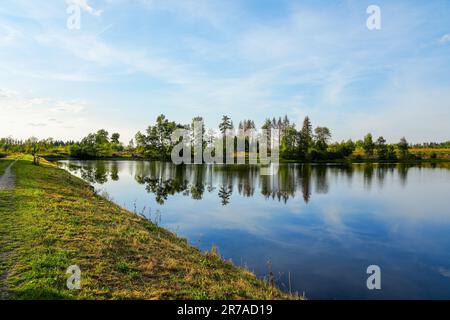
[[305, 138], [225, 125]]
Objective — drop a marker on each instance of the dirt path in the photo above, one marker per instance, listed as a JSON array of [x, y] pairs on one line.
[[8, 180]]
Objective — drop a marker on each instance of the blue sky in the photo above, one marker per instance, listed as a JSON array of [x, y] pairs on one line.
[[132, 60]]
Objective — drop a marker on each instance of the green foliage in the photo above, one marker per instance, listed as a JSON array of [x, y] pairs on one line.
[[433, 145], [156, 143], [322, 136], [94, 145], [226, 124], [391, 155], [368, 145], [341, 150], [403, 148], [288, 142], [305, 139], [381, 148], [115, 138]]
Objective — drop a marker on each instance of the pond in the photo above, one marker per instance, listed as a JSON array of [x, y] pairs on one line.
[[316, 227]]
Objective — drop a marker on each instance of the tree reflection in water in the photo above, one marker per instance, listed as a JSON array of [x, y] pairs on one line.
[[165, 179]]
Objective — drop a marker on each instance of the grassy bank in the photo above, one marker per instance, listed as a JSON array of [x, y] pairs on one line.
[[53, 220], [3, 165]]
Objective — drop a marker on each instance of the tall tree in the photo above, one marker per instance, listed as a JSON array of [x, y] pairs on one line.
[[101, 136], [33, 147], [225, 124], [305, 138], [115, 138], [403, 147], [368, 145], [381, 148], [156, 142], [322, 137], [288, 142]]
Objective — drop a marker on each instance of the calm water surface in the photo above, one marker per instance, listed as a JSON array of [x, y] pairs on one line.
[[320, 225]]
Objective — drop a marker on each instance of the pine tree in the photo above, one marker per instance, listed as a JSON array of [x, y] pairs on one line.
[[226, 124], [305, 138]]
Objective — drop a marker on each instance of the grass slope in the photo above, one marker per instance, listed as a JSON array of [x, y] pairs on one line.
[[3, 165], [53, 220]]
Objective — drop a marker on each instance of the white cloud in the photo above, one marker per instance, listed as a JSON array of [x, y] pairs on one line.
[[445, 38], [84, 5], [8, 34], [444, 272], [91, 49], [23, 115], [69, 106], [6, 94], [12, 100], [37, 124]]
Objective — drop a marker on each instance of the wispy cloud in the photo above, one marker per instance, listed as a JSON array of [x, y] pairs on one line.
[[6, 94], [8, 34], [84, 5], [92, 49], [444, 272], [445, 38], [37, 124], [26, 115], [69, 106]]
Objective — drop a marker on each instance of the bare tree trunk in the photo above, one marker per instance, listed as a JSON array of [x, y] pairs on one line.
[[35, 155]]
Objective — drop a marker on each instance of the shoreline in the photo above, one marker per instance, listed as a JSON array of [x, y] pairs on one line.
[[282, 161]]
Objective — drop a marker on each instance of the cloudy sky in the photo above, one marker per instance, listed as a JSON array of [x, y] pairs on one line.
[[134, 59]]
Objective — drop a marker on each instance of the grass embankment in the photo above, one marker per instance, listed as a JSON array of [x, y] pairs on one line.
[[53, 220], [3, 165], [5, 161]]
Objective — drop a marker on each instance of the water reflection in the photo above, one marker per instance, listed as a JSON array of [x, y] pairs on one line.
[[165, 179]]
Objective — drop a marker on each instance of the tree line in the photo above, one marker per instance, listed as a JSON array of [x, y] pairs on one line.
[[305, 143]]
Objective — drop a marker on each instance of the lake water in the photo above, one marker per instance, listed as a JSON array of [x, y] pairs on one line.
[[320, 226]]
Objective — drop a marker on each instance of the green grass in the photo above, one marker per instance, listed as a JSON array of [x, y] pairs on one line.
[[4, 163], [53, 220]]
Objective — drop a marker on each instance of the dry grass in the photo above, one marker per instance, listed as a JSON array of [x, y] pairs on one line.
[[438, 153]]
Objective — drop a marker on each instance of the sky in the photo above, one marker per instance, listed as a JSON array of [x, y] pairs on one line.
[[250, 59]]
